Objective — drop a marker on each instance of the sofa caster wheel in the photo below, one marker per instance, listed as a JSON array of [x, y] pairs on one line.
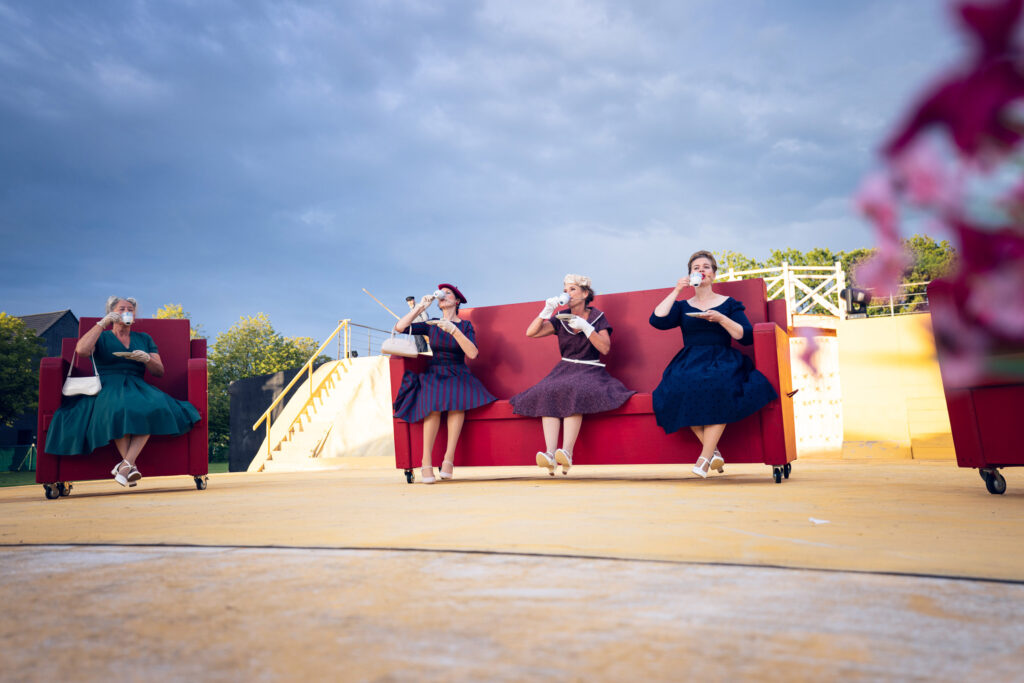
[[52, 492], [200, 483], [777, 474], [408, 476], [994, 481], [63, 488], [786, 469]]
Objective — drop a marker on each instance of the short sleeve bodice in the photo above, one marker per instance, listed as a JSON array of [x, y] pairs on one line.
[[446, 350], [700, 332], [573, 343], [109, 364]]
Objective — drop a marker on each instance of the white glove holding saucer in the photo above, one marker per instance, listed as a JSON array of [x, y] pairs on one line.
[[448, 326], [140, 356], [578, 323]]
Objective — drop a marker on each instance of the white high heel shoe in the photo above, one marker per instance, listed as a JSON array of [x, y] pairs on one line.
[[717, 462], [424, 478], [563, 458], [446, 475], [701, 467], [546, 461]]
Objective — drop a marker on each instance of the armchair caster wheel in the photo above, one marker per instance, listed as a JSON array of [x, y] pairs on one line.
[[408, 476], [52, 491], [994, 481], [786, 469], [63, 488], [200, 483], [777, 474]]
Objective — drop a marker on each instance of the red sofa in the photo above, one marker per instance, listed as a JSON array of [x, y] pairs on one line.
[[509, 362], [984, 414], [184, 378]]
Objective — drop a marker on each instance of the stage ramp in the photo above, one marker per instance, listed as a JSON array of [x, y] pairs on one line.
[[342, 411]]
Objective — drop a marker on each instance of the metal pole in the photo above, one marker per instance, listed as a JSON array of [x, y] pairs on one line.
[[892, 313]]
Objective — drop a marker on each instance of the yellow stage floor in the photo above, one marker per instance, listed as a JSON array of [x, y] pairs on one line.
[[505, 574]]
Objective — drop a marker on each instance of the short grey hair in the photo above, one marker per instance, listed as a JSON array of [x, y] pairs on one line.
[[112, 301]]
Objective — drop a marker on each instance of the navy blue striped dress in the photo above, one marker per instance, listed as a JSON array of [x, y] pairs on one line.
[[447, 383]]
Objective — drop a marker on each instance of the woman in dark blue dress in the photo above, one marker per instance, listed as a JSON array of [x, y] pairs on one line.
[[447, 385], [708, 384]]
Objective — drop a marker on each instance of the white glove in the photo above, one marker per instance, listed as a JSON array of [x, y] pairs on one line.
[[109, 319], [426, 300], [549, 308], [578, 323], [140, 356], [448, 326]]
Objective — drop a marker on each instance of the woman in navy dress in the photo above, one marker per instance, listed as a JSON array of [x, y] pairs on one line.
[[447, 385], [578, 384], [708, 383]]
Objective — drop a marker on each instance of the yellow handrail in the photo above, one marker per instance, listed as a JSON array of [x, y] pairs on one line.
[[308, 369]]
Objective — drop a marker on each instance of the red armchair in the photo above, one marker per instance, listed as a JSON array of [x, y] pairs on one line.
[[984, 414], [184, 378], [509, 362]]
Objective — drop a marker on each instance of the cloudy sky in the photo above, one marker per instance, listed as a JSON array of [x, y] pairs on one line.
[[238, 156]]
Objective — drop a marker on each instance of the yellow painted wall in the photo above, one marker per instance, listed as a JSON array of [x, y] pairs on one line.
[[893, 405]]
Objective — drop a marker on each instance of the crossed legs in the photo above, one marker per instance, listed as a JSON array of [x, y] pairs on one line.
[[708, 435]]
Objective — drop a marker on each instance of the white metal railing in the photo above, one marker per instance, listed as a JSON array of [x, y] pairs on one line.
[[804, 288], [910, 297]]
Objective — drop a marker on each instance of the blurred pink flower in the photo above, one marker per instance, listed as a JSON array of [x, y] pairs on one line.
[[810, 347], [971, 104], [877, 201], [991, 24], [883, 272], [1013, 203], [961, 344], [997, 301], [925, 178]]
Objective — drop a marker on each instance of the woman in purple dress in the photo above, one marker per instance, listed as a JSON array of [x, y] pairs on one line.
[[447, 385], [579, 384]]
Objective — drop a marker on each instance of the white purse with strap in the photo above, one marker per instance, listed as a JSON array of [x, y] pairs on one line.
[[400, 345], [82, 386]]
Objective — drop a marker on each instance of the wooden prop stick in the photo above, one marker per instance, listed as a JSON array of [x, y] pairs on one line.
[[381, 305]]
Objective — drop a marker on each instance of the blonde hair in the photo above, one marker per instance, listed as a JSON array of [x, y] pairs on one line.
[[581, 281], [112, 301], [702, 254]]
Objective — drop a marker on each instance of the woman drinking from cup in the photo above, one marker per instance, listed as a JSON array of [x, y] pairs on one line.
[[127, 410], [447, 385], [578, 384], [708, 383]]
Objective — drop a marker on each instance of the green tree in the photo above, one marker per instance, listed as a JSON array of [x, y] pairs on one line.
[[20, 348], [931, 259], [249, 348], [178, 312]]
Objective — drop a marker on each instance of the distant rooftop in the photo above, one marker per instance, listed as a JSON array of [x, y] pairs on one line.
[[41, 322]]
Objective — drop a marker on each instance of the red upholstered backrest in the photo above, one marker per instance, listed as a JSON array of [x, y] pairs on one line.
[[173, 345], [510, 362]]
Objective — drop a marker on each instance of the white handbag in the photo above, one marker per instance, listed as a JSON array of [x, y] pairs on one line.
[[400, 345], [86, 386]]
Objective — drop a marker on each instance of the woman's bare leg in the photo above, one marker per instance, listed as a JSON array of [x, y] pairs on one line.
[[550, 426], [712, 433], [135, 447], [456, 418], [431, 425], [698, 431], [572, 425], [122, 444]]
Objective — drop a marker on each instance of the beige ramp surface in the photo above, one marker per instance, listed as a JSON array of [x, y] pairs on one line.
[[904, 517]]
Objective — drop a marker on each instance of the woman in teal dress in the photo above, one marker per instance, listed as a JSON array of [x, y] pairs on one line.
[[127, 410]]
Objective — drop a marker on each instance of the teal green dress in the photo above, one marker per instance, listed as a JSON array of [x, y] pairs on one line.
[[126, 404]]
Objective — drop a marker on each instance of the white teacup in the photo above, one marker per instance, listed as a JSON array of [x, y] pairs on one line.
[[696, 279], [127, 317]]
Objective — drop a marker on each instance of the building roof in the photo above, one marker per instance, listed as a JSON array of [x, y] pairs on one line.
[[41, 322]]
